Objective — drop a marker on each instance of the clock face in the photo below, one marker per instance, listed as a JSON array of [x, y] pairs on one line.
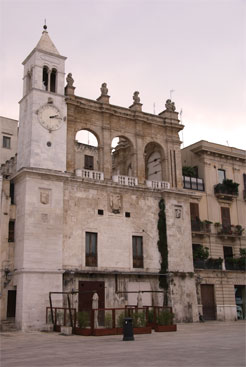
[[49, 117]]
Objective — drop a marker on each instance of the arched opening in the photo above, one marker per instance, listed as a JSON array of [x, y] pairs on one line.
[[53, 80], [153, 162], [122, 156], [45, 78], [86, 151]]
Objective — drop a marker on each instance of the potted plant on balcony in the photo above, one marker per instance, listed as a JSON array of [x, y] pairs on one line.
[[207, 225], [239, 230], [165, 321], [227, 187]]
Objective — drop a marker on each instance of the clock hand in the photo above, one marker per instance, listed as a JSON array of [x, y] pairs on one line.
[[54, 116]]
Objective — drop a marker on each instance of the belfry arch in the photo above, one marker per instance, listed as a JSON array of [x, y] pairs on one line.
[[154, 162]]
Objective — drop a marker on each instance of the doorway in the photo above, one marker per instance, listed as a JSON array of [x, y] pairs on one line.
[[11, 305], [240, 298], [208, 302]]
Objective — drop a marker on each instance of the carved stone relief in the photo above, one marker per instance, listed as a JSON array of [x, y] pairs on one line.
[[45, 196], [178, 211], [115, 202]]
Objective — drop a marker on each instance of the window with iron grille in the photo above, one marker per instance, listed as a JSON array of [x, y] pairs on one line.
[[137, 251], [91, 249], [89, 162]]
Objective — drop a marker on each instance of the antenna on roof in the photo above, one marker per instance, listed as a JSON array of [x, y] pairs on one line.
[[45, 26], [154, 108], [171, 92]]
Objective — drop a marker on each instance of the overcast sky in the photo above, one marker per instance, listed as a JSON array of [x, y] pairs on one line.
[[194, 47]]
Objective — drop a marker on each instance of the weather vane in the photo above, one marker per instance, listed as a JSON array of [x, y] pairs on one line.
[[45, 26]]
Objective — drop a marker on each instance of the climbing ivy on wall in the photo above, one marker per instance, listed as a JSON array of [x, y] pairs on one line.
[[162, 246]]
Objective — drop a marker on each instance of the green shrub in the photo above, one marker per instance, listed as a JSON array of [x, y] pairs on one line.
[[120, 319], [108, 320], [165, 317], [151, 316], [83, 319], [139, 319], [188, 171]]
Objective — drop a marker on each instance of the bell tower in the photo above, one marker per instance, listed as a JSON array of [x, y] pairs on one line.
[[42, 119]]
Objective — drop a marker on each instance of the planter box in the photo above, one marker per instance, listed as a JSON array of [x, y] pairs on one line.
[[106, 331], [165, 328], [151, 324], [142, 330], [83, 331]]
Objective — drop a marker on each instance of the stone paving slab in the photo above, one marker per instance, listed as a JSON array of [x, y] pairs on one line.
[[210, 344]]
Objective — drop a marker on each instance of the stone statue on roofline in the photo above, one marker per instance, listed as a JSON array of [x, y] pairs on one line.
[[70, 80], [104, 89], [170, 106], [136, 97]]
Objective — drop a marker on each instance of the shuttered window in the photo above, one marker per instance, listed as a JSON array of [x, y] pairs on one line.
[[194, 211], [225, 217], [137, 250], [91, 249]]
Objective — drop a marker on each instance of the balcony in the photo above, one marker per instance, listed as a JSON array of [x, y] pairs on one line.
[[90, 174], [193, 183], [201, 228], [235, 263], [158, 185], [125, 180], [228, 190], [210, 263], [229, 230]]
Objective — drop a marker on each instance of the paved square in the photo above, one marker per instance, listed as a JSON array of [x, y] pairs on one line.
[[211, 344]]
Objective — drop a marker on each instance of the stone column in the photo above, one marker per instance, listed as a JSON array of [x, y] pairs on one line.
[[107, 158]]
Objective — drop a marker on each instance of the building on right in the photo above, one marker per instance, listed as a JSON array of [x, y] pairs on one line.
[[218, 221]]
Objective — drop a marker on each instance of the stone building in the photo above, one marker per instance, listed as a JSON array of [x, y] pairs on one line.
[[218, 221], [84, 199], [8, 145]]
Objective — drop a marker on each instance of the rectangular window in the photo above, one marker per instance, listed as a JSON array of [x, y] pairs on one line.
[[221, 175], [89, 162], [228, 256], [91, 249], [244, 181], [6, 142], [137, 251], [11, 237], [228, 253]]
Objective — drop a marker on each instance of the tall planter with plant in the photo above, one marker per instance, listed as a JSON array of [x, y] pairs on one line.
[[165, 321]]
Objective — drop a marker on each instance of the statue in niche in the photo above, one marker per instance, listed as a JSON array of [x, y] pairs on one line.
[[104, 89], [136, 97], [115, 203], [170, 106], [70, 80]]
